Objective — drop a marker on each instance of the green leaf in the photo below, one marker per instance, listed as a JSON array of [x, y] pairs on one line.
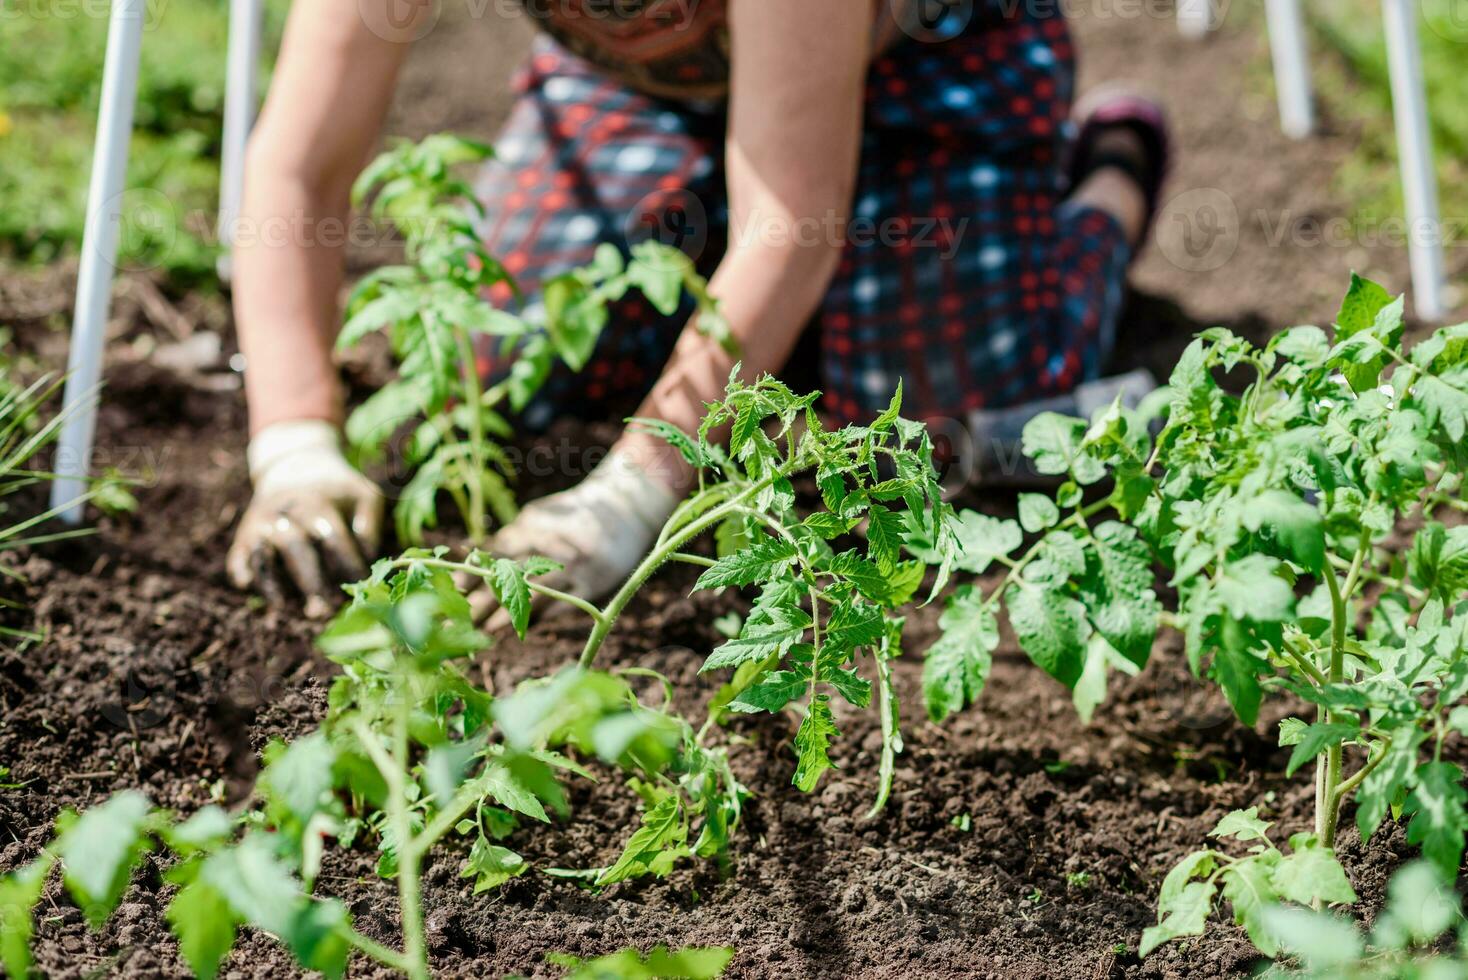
[[852, 626], [1421, 906], [1368, 312], [1438, 805], [1037, 512], [1237, 671], [1363, 303], [1316, 739], [205, 925], [1311, 872], [1051, 628], [1243, 825], [1055, 443], [772, 635], [884, 537], [757, 563], [956, 667], [1116, 590], [982, 539], [1249, 886], [209, 826], [772, 692], [491, 865], [1319, 939], [501, 784], [19, 893], [1184, 915], [653, 847], [99, 850], [1291, 731], [692, 963], [299, 776], [1297, 526], [507, 581], [812, 741]]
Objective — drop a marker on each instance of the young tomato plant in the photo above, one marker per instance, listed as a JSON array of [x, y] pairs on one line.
[[434, 308], [1273, 513], [820, 613], [410, 753]]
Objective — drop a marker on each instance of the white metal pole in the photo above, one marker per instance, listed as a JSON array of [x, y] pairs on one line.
[[245, 17], [1414, 147], [1291, 67], [99, 256], [1195, 18]]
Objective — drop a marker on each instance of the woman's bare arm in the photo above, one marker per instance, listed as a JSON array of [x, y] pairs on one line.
[[794, 141], [330, 91]]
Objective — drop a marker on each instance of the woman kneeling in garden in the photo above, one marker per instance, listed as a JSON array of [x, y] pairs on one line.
[[906, 202]]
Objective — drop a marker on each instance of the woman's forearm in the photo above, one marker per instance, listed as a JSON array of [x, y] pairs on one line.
[[288, 262], [767, 292], [332, 84]]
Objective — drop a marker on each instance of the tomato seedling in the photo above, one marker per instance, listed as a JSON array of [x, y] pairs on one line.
[[1274, 512], [435, 307]]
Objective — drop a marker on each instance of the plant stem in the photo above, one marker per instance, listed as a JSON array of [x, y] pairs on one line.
[[410, 898], [666, 549], [1348, 786], [393, 766], [887, 706], [1328, 767], [469, 369], [389, 958]]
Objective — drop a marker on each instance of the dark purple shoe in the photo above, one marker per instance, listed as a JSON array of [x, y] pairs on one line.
[[1109, 108]]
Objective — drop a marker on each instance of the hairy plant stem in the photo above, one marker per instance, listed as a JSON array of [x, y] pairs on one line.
[[887, 706], [392, 766], [1328, 767], [665, 549]]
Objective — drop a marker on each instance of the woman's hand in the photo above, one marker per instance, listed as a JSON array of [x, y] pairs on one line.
[[312, 515], [598, 531]]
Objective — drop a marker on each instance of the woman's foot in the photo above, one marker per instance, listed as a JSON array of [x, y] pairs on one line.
[[1121, 159]]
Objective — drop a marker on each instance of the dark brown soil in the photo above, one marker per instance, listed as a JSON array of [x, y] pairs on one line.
[[155, 674]]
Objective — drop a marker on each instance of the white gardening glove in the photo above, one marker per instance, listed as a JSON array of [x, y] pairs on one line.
[[599, 530], [312, 515]]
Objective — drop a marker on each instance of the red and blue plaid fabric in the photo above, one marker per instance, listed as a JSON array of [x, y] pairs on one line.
[[966, 274]]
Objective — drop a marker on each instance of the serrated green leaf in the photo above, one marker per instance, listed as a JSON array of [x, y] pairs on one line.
[[811, 742], [1248, 884], [983, 539], [1037, 512], [654, 846], [757, 563], [1051, 628], [1297, 526], [1438, 806], [772, 692], [1116, 591], [956, 667], [491, 865], [1243, 825], [1311, 872], [1184, 915], [884, 537]]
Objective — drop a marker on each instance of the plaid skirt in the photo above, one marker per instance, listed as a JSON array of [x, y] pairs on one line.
[[965, 272]]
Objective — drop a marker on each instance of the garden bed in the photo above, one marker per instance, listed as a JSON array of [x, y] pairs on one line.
[[1018, 843]]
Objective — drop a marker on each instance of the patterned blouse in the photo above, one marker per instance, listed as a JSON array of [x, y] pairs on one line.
[[672, 48]]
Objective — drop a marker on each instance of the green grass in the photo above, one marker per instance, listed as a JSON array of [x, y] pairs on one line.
[[1355, 87], [50, 84]]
